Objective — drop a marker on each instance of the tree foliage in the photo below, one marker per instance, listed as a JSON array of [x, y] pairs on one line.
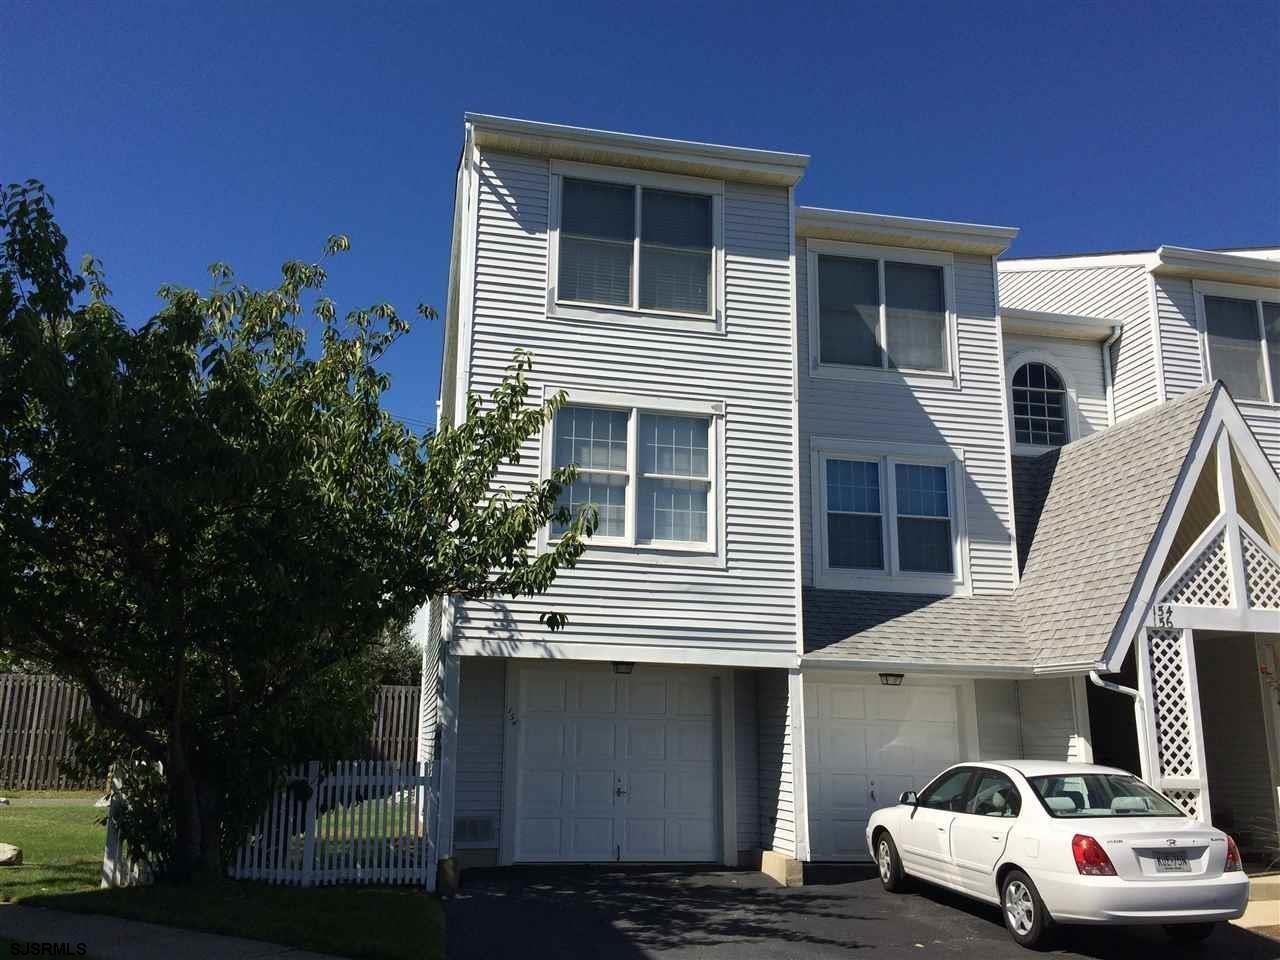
[[212, 512]]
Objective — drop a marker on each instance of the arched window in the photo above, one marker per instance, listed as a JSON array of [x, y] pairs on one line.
[[1039, 406]]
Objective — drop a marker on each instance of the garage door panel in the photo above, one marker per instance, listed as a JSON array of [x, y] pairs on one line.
[[593, 838], [613, 766], [593, 741], [595, 695], [542, 740], [647, 697], [693, 699], [542, 790], [694, 741], [544, 692], [867, 744], [646, 741], [540, 838]]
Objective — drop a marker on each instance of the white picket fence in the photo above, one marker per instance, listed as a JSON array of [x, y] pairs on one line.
[[353, 822], [359, 822]]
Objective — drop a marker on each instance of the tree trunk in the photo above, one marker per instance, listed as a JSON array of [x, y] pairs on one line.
[[195, 802]]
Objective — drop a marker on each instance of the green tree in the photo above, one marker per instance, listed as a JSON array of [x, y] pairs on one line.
[[211, 515]]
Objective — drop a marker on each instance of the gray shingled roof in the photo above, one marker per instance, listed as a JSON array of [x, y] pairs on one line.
[[1090, 511], [1105, 502]]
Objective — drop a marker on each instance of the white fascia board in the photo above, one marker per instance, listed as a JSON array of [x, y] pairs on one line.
[[1041, 324], [853, 225], [931, 668], [630, 149], [1088, 261], [1211, 265], [628, 653]]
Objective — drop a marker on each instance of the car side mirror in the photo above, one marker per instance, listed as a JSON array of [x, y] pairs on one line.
[[908, 797]]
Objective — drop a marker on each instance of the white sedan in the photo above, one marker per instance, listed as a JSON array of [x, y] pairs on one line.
[[1061, 843]]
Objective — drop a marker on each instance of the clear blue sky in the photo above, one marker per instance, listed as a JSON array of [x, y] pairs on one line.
[[176, 134]]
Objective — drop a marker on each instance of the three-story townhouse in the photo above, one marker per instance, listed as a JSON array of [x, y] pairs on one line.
[[1094, 340], [862, 515]]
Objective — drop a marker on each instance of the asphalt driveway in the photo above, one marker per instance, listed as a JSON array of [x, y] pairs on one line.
[[621, 913]]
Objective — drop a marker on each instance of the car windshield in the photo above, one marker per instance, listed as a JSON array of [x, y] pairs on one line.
[[1100, 795]]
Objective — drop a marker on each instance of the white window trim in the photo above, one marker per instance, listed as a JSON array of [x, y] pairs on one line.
[[888, 455], [949, 378], [636, 316], [1203, 288], [1011, 367], [626, 549]]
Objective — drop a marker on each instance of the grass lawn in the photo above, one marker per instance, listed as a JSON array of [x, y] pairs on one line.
[[62, 850]]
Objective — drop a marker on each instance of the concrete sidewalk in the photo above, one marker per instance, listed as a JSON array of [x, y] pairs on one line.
[[110, 938]]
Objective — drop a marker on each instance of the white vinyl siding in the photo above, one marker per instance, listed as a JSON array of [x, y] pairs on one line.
[[1079, 362], [1051, 729], [746, 758], [482, 694], [969, 419], [777, 780], [1179, 336], [1264, 421], [742, 602], [999, 721], [428, 630], [1115, 293]]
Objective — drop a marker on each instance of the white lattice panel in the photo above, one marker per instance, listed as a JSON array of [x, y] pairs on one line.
[[1261, 574], [1175, 737], [1207, 582], [1188, 800]]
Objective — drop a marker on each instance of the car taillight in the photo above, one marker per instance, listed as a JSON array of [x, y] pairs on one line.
[[1091, 859], [1233, 857]]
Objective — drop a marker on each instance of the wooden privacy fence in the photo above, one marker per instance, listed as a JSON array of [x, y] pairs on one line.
[[37, 711], [395, 725], [36, 714], [356, 822]]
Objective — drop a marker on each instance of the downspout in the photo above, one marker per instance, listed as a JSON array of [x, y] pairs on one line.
[[1139, 716], [1109, 386]]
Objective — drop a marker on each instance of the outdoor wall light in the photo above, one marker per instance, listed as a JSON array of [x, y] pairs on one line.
[[891, 679], [623, 667]]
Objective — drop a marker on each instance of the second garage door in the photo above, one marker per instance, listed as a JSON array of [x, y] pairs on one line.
[[615, 767], [865, 744]]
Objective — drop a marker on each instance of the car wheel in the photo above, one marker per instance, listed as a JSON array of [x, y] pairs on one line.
[[1189, 932], [1024, 914], [890, 864]]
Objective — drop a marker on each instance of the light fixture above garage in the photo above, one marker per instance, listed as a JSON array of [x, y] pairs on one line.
[[623, 667], [891, 679]]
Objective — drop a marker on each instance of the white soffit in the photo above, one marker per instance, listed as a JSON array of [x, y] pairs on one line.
[[1064, 325], [852, 225], [1211, 265]]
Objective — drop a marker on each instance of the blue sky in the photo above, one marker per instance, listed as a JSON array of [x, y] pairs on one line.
[[176, 134]]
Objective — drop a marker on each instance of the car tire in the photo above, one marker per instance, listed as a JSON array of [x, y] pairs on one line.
[[1189, 932], [1025, 916], [892, 877]]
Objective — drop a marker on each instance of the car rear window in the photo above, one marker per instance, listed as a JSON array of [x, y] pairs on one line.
[[1100, 795]]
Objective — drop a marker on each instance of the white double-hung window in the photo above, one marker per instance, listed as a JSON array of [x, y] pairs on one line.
[[649, 468], [1241, 327], [887, 519], [634, 245], [880, 310]]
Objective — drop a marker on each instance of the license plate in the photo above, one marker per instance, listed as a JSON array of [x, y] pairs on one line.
[[1172, 863]]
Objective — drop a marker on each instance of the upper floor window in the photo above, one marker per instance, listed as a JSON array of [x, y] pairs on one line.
[[1039, 406], [1243, 343], [649, 474], [879, 309], [887, 516], [647, 245]]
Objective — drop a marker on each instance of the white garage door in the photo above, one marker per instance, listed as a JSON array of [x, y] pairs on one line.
[[613, 767], [864, 745]]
